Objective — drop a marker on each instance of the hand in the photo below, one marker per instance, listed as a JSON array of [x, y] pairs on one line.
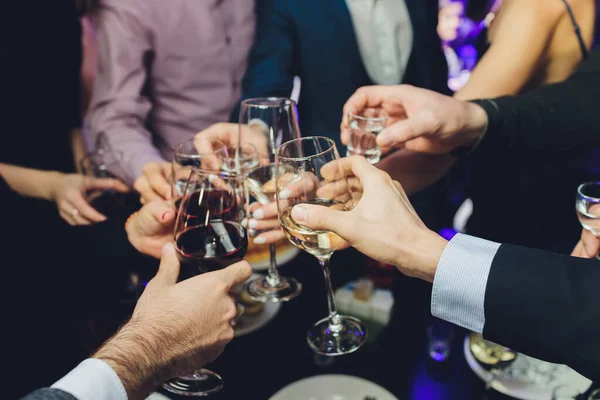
[[419, 119], [151, 227], [68, 191], [154, 182], [588, 246], [176, 327], [230, 134], [383, 225]]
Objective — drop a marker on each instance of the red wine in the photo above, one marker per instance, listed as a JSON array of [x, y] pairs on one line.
[[210, 247], [111, 203], [218, 204]]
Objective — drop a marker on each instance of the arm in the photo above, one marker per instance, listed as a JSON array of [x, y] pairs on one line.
[[30, 182], [271, 62], [119, 108], [520, 40]]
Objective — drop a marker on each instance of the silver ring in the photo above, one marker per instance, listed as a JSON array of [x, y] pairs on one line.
[[75, 212]]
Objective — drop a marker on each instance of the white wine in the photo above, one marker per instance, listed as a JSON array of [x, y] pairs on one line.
[[316, 242], [489, 354]]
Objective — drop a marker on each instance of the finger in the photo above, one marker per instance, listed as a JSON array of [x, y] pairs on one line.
[[266, 212], [222, 132], [68, 217], [168, 271], [263, 224], [159, 183], [579, 250], [322, 218], [365, 97], [269, 237], [339, 188], [420, 124], [235, 274], [590, 242], [85, 210], [147, 194], [349, 166], [157, 212], [106, 184]]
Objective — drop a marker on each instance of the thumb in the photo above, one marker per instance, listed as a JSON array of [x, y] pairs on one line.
[[321, 218], [168, 271], [236, 273], [157, 213]]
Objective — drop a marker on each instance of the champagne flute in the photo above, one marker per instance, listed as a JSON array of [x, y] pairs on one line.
[[299, 179], [587, 205], [267, 123], [491, 356], [209, 235]]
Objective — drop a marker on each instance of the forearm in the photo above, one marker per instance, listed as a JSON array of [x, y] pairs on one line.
[[416, 171], [30, 182], [78, 146], [133, 358]]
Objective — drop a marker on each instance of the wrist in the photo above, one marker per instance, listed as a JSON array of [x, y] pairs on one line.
[[425, 252], [474, 125], [53, 181], [132, 355]]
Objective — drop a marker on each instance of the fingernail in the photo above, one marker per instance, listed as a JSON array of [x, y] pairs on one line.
[[300, 213], [253, 224], [245, 222], [251, 232], [211, 178], [258, 214], [260, 240], [285, 194], [165, 215], [168, 249]]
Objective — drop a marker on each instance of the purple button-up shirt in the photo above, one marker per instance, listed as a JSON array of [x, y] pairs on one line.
[[166, 70]]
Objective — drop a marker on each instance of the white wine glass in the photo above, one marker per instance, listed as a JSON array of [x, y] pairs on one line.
[[299, 180], [587, 204], [266, 123], [491, 356]]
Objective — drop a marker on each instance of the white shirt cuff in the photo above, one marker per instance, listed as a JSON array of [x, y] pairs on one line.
[[93, 379], [460, 281]]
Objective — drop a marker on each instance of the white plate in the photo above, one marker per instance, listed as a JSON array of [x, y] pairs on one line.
[[333, 387], [532, 386], [157, 396], [283, 256]]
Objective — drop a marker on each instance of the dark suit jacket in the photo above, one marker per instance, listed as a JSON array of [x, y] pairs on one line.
[[315, 40], [539, 147], [546, 305], [49, 394]]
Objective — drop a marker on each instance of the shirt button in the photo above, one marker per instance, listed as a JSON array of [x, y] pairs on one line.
[[228, 39]]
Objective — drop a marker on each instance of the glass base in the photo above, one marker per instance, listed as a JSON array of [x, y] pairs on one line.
[[349, 337], [260, 290], [202, 382]]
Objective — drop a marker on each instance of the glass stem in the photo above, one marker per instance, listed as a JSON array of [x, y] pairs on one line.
[[273, 276], [335, 324]]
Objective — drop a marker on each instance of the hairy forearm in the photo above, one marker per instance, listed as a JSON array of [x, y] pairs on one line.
[[416, 171], [30, 182], [134, 357]]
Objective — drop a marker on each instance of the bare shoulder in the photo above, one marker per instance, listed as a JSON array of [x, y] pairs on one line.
[[548, 11]]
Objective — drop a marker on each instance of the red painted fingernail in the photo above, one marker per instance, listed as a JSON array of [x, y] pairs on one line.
[[164, 215]]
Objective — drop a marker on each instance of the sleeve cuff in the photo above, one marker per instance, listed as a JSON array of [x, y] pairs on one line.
[[460, 281], [93, 379]]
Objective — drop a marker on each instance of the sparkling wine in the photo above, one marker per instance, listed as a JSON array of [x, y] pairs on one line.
[[589, 219], [210, 247], [363, 141], [489, 354], [316, 242]]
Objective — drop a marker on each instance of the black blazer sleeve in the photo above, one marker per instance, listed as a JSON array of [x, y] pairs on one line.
[[545, 305], [49, 394], [551, 118]]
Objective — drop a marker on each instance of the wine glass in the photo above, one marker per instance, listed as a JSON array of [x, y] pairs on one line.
[[299, 164], [491, 356], [192, 153], [364, 128], [267, 123], [209, 235], [587, 205], [241, 160]]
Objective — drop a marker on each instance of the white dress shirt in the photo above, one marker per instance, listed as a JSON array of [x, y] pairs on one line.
[[460, 281], [385, 37], [93, 379]]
